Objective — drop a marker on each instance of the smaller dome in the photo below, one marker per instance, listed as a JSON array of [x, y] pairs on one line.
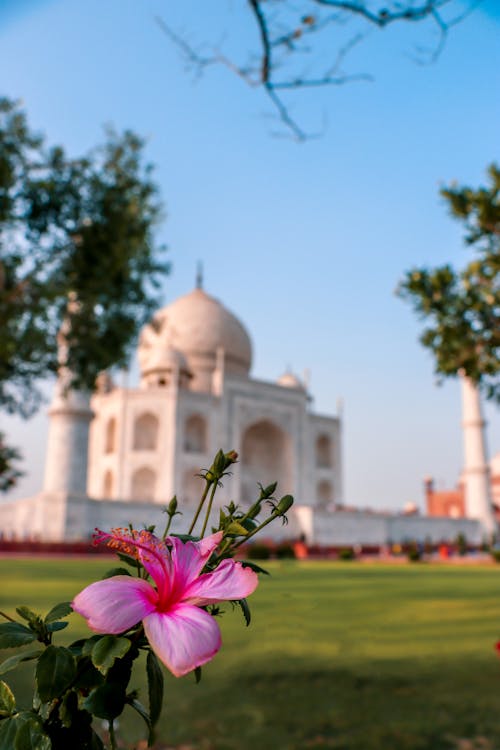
[[289, 380], [165, 359]]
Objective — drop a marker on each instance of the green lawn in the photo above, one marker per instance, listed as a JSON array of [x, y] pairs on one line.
[[339, 655]]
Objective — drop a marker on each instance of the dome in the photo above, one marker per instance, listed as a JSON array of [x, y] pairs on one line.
[[200, 328], [289, 380]]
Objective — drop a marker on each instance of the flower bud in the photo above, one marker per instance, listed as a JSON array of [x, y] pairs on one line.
[[267, 492], [284, 505], [172, 506]]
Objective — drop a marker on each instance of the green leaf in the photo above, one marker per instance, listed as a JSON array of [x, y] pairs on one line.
[[7, 700], [107, 649], [88, 676], [89, 644], [155, 686], [186, 537], [26, 613], [60, 610], [137, 706], [55, 671], [68, 708], [129, 560], [246, 610], [53, 626], [253, 566], [14, 634], [106, 701], [14, 661], [8, 732], [116, 572], [31, 736], [11, 733]]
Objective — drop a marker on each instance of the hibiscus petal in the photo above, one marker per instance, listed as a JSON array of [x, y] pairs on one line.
[[115, 604], [156, 559], [188, 560], [230, 580], [183, 638]]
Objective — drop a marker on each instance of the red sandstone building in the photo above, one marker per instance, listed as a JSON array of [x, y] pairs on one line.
[[451, 503]]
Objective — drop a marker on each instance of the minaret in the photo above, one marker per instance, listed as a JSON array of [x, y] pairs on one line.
[[478, 502], [66, 460]]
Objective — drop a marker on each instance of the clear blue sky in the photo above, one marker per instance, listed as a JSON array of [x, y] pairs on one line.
[[306, 243]]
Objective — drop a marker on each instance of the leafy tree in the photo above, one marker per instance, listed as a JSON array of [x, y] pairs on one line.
[[76, 250], [304, 44], [461, 308]]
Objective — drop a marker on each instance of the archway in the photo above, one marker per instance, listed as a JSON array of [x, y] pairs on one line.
[[266, 456], [146, 433]]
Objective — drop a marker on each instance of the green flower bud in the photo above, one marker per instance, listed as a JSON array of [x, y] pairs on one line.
[[284, 505], [172, 506]]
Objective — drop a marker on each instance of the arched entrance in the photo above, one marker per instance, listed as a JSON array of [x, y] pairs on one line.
[[266, 456]]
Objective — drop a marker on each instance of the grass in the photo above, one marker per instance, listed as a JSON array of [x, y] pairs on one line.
[[339, 655]]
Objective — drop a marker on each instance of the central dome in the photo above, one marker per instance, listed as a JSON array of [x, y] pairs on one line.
[[202, 329]]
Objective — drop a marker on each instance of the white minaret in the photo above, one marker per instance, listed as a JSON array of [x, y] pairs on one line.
[[67, 446], [478, 502], [66, 460]]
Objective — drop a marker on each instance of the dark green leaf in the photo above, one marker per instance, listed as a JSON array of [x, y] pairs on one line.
[[116, 572], [53, 626], [187, 537], [106, 701], [107, 649], [26, 613], [31, 736], [60, 610], [246, 610], [253, 566], [14, 661], [68, 708], [55, 671], [88, 676], [7, 700], [8, 732], [14, 634], [155, 686]]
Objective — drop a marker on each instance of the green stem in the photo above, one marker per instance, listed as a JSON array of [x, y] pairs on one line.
[[200, 506], [2, 614], [112, 737], [209, 508], [255, 531], [167, 527]]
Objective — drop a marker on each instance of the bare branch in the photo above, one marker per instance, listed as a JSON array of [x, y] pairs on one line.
[[283, 28]]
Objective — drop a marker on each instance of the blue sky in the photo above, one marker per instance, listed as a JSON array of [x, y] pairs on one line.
[[305, 242]]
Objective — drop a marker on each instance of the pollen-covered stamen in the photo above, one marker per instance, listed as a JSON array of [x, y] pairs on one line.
[[144, 547]]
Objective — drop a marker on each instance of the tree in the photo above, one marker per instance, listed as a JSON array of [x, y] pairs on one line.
[[462, 307], [303, 45], [71, 229]]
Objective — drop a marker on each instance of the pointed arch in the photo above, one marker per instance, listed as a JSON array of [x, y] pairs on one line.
[[195, 434], [324, 451], [143, 484], [110, 436], [266, 457], [146, 432]]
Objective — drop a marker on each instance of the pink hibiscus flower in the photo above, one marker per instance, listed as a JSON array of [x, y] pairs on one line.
[[181, 634]]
